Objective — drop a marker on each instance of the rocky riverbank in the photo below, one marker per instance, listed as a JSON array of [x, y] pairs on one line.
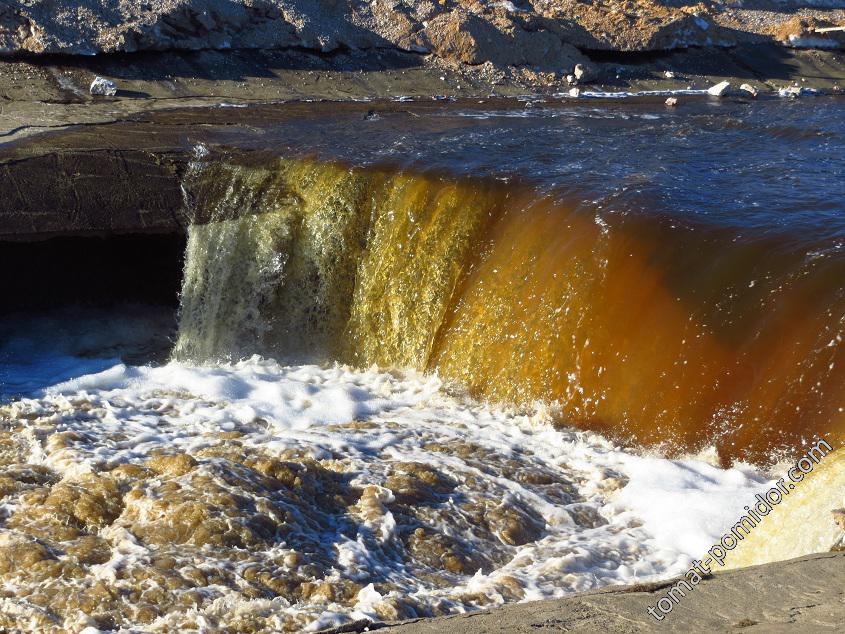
[[41, 93], [165, 53], [546, 33]]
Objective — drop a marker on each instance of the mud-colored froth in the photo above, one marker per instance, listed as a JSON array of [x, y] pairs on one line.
[[629, 322], [260, 498]]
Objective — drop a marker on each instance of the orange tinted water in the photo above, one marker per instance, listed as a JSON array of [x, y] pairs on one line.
[[675, 335], [631, 323]]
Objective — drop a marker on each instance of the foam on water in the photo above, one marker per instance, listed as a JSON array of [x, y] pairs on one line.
[[407, 498], [254, 496]]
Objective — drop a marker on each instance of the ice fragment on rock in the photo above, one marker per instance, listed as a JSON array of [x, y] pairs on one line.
[[104, 87], [751, 90], [584, 72]]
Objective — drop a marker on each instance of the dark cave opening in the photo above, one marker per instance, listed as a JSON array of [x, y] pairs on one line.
[[92, 272]]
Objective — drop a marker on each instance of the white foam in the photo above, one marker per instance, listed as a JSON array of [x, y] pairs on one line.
[[624, 94], [667, 513]]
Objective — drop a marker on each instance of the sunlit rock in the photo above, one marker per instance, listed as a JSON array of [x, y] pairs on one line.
[[103, 87]]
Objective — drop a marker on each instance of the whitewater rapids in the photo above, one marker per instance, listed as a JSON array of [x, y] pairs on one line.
[[264, 497]]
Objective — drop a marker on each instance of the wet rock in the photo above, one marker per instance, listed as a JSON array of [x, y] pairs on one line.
[[793, 92], [438, 551], [343, 591], [586, 516], [509, 521], [575, 92], [78, 191], [393, 609], [103, 87], [510, 588], [513, 524]]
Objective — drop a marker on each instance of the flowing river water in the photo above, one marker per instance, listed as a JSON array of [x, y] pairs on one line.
[[430, 360]]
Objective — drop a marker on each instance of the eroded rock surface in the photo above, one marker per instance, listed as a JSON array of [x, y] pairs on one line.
[[534, 32], [802, 594]]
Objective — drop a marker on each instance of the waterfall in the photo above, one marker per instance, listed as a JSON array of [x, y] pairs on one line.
[[629, 323]]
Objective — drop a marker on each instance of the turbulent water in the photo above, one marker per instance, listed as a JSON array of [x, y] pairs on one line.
[[632, 325], [398, 392], [257, 497]]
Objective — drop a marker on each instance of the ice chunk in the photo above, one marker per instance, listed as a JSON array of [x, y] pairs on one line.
[[720, 89], [103, 87], [751, 90]]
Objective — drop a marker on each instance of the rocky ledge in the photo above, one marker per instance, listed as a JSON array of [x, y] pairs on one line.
[[538, 32], [800, 595], [80, 64], [536, 42]]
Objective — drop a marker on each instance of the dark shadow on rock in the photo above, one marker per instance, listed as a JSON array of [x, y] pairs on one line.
[[754, 61], [230, 65], [133, 94]]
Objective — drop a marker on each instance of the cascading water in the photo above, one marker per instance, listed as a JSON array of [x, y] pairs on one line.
[[454, 342], [637, 326], [327, 262]]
